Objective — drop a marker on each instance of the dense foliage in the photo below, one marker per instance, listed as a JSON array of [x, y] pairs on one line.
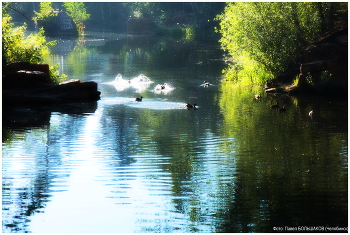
[[159, 11], [46, 11], [264, 38], [149, 10], [18, 47], [187, 19], [75, 10], [192, 20]]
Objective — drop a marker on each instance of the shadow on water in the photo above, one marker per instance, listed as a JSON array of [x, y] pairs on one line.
[[39, 116]]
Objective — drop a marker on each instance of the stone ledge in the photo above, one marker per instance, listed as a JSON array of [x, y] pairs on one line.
[[24, 84]]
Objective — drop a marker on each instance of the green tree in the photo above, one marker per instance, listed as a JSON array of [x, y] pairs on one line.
[[187, 20], [266, 37], [77, 11], [32, 48], [46, 11], [17, 47], [149, 10]]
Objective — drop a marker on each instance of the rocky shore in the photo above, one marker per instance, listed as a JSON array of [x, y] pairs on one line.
[[25, 84]]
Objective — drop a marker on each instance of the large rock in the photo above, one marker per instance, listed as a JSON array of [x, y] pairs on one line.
[[24, 85], [24, 75], [75, 91], [25, 79], [17, 66], [59, 24]]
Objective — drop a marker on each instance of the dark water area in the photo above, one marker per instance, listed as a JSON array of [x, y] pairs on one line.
[[231, 165]]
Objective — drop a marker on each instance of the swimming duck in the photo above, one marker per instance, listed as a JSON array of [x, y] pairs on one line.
[[311, 113], [163, 86], [274, 106], [138, 99], [190, 106], [206, 84]]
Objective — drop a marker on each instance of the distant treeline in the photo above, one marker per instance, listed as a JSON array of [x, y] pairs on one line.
[[113, 15]]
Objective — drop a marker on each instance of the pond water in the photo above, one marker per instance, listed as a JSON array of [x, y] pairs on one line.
[[121, 166]]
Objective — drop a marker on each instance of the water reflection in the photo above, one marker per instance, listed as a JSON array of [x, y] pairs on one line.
[[291, 161], [232, 165]]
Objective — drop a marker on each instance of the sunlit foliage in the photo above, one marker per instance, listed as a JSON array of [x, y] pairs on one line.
[[266, 37], [18, 47], [75, 10], [32, 48], [46, 11], [186, 20]]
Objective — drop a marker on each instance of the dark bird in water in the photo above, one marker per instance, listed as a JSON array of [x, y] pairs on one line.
[[206, 84], [190, 106], [138, 99], [281, 110], [274, 106]]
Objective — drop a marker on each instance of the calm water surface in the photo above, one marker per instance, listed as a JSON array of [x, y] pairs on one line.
[[231, 165]]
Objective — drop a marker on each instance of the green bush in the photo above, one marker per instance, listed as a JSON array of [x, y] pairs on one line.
[[46, 12], [18, 47], [263, 38], [75, 10]]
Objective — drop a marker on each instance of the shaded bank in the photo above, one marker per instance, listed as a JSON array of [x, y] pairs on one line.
[[322, 69], [264, 39], [30, 84]]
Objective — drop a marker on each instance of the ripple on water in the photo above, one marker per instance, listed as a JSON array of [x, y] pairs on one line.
[[157, 104]]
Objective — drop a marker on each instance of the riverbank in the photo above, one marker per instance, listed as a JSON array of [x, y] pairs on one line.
[[26, 84], [322, 68]]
